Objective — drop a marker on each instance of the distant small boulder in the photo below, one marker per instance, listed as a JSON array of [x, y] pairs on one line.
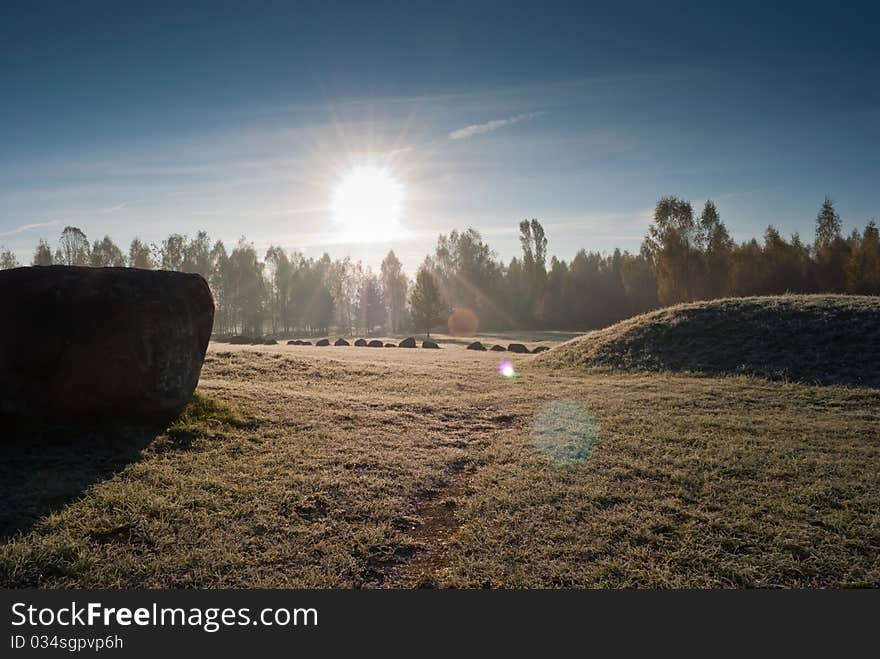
[[428, 343], [390, 345], [476, 345], [408, 342], [375, 343], [322, 342], [294, 342], [360, 343], [305, 343], [498, 348], [341, 342], [518, 347], [538, 349]]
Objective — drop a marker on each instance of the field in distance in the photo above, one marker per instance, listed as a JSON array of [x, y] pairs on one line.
[[345, 467]]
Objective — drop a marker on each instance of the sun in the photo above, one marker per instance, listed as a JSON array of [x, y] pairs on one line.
[[367, 204]]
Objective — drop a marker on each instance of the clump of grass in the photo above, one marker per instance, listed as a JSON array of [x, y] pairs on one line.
[[205, 411], [202, 417]]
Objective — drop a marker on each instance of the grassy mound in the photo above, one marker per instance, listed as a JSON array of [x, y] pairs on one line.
[[821, 339]]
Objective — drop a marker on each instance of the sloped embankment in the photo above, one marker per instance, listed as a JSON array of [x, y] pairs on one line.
[[821, 339]]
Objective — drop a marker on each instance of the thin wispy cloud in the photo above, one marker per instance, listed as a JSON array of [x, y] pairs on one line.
[[122, 206], [489, 126], [27, 227], [529, 89]]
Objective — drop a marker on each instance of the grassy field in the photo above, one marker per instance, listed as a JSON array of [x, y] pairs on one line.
[[358, 467]]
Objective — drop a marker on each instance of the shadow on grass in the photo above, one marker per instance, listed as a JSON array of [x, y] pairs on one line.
[[45, 467]]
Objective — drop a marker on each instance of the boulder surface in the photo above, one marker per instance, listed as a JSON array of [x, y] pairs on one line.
[[428, 343], [476, 345], [341, 342], [408, 342], [101, 344], [518, 347]]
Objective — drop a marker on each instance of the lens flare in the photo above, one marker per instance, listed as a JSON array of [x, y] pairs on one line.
[[463, 322], [564, 433], [506, 369]]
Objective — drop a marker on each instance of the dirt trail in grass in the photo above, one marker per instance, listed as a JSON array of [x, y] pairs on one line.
[[436, 527]]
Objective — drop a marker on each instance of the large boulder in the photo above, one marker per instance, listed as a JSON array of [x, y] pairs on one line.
[[101, 344], [428, 343], [408, 342], [518, 347], [360, 343], [341, 342], [498, 348], [476, 345], [375, 343], [322, 342]]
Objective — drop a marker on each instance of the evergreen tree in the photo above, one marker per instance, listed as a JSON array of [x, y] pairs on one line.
[[140, 255], [832, 251], [863, 268], [828, 224], [717, 248], [106, 254], [43, 254]]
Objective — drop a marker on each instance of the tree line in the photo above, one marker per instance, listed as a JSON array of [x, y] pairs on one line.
[[684, 257]]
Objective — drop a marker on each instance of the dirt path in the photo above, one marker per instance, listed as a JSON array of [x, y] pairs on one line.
[[437, 527]]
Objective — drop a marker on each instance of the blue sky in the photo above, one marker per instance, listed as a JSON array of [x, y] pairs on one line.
[[240, 118]]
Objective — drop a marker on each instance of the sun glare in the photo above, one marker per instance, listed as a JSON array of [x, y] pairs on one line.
[[367, 205]]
